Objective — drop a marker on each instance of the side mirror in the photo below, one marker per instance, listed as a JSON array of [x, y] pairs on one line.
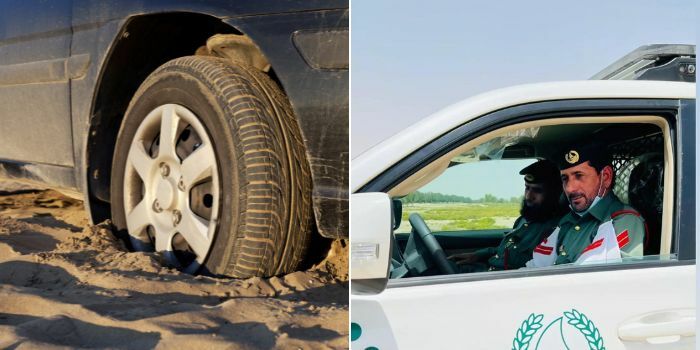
[[371, 222], [398, 210]]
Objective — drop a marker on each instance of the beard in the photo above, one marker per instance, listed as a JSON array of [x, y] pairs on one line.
[[537, 212], [580, 197]]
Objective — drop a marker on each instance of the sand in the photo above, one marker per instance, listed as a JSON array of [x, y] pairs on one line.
[[66, 284]]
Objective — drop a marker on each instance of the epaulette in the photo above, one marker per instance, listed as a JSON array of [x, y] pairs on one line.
[[623, 212]]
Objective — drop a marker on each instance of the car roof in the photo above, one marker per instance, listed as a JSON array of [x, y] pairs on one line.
[[380, 157]]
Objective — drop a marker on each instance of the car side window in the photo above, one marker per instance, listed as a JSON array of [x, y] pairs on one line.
[[469, 197], [479, 210]]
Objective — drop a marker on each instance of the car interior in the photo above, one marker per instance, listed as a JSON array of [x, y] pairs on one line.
[[642, 158]]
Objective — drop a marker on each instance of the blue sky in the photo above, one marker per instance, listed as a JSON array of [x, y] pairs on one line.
[[412, 58]]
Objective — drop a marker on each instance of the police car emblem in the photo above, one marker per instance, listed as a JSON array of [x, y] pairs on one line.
[[582, 333]]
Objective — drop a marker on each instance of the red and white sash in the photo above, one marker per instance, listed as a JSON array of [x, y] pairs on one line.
[[545, 254], [605, 248]]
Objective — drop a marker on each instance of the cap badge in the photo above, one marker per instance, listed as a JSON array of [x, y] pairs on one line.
[[571, 157]]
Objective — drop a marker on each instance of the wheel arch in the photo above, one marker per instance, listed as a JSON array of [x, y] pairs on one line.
[[144, 43]]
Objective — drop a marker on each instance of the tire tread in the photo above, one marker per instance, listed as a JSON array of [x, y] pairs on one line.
[[276, 216]]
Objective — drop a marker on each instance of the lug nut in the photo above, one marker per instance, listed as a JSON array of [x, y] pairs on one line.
[[164, 170], [176, 217], [156, 206], [181, 184]]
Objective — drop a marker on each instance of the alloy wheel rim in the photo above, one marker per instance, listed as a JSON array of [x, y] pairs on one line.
[[171, 187]]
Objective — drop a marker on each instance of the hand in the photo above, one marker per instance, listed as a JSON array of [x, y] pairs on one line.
[[464, 258]]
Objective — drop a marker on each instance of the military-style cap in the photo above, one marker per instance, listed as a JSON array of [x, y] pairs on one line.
[[575, 154], [542, 171]]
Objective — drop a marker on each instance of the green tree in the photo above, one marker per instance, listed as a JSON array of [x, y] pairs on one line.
[[489, 198]]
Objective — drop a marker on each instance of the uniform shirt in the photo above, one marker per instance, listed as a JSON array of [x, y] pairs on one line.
[[576, 232], [517, 245]]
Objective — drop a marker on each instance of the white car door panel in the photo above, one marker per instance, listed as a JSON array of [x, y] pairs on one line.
[[643, 308]]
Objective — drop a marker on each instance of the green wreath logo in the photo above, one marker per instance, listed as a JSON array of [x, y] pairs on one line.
[[526, 331], [587, 328], [530, 327]]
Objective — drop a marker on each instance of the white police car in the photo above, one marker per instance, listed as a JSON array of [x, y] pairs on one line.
[[649, 127]]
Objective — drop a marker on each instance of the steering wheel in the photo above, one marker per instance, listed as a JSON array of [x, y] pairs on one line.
[[431, 243]]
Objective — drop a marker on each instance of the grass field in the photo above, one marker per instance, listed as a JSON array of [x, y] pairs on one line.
[[461, 216]]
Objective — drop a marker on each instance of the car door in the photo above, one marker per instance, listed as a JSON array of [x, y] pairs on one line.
[[35, 39], [645, 304]]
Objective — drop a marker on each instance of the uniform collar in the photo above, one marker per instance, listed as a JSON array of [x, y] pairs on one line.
[[602, 208], [599, 211], [549, 222]]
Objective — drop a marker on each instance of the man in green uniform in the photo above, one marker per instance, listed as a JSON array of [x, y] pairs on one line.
[[540, 212], [599, 228]]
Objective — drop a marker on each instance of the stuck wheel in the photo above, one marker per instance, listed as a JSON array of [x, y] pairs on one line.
[[209, 168]]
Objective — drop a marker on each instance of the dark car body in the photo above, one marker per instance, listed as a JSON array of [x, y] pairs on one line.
[[68, 69]]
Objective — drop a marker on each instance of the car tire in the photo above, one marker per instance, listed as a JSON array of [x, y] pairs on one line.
[[253, 198]]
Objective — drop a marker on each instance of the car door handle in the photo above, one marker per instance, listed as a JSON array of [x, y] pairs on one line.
[[659, 327]]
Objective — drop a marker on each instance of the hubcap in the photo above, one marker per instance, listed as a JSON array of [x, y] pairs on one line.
[[171, 171], [165, 195]]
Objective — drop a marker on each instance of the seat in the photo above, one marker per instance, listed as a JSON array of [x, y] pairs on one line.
[[645, 191]]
